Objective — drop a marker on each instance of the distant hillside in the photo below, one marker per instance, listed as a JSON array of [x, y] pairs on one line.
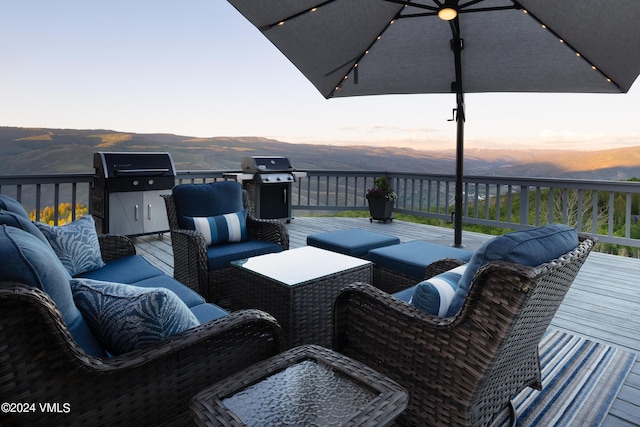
[[43, 151]]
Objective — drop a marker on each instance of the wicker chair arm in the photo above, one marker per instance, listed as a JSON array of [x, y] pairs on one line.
[[114, 247], [363, 295], [268, 230], [440, 266], [190, 260], [150, 386], [239, 328], [265, 229]]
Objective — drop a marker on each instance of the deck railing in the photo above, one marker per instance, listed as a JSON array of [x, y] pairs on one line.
[[608, 209]]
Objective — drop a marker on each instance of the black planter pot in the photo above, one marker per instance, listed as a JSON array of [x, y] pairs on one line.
[[380, 209]]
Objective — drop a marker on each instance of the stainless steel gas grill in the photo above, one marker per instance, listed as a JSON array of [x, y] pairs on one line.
[[268, 180], [125, 197]]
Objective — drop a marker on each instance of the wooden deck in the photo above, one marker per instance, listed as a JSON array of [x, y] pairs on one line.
[[603, 304]]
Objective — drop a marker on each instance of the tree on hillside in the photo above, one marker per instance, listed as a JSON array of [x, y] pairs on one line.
[[65, 214], [578, 207]]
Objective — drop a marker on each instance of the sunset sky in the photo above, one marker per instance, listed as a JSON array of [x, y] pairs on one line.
[[198, 68]]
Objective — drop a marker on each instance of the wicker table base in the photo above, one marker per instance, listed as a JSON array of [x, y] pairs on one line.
[[308, 385], [298, 287]]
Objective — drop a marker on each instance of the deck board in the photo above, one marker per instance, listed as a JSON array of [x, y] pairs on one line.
[[603, 304]]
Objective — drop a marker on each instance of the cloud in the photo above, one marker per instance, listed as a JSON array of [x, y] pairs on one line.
[[384, 129]]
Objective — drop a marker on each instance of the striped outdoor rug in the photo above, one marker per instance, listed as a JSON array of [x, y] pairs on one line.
[[580, 378]]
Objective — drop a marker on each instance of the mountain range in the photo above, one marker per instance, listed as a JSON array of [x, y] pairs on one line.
[[25, 151]]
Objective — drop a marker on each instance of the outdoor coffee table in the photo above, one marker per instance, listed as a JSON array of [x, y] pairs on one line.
[[297, 287], [305, 386]]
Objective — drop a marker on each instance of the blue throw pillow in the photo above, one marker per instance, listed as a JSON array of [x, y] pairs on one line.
[[12, 205], [126, 317], [530, 247], [230, 227], [76, 244], [435, 294], [16, 220], [28, 260]]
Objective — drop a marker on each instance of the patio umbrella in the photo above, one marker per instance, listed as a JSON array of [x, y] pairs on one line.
[[375, 47]]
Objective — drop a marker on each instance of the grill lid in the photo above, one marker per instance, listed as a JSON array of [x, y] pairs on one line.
[[128, 164], [265, 164]]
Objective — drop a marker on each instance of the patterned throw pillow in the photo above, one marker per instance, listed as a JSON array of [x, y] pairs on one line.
[[125, 317], [435, 295], [76, 244], [222, 228]]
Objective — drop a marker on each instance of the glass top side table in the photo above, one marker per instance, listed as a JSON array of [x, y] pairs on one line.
[[308, 385]]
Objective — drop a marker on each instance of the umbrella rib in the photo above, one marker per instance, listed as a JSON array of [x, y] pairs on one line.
[[295, 15], [417, 5], [472, 2], [593, 66], [354, 67]]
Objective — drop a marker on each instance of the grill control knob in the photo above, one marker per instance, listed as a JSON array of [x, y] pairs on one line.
[[136, 183], [150, 182]]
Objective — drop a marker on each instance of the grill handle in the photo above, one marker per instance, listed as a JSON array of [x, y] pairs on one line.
[[161, 171]]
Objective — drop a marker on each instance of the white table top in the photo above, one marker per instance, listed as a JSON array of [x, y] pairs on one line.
[[300, 265]]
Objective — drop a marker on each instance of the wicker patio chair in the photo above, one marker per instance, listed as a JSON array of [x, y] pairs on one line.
[[462, 370], [42, 365], [190, 252]]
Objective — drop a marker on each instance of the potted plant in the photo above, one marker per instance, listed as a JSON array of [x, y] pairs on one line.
[[381, 199]]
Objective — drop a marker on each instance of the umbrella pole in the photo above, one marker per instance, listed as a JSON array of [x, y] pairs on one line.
[[457, 46], [457, 223]]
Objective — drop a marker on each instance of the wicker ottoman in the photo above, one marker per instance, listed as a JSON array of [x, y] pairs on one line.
[[401, 266], [352, 242]]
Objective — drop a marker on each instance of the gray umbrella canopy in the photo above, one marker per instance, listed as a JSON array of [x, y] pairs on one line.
[[375, 47]]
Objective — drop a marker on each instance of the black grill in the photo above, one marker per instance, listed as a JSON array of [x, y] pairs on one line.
[[125, 198], [269, 185]]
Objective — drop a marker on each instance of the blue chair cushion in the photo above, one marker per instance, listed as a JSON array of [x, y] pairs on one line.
[[28, 260], [231, 227], [188, 296], [412, 258], [204, 200], [529, 247], [435, 294], [405, 294], [126, 317], [129, 269], [220, 256], [12, 205], [16, 220], [353, 242], [208, 312], [76, 244]]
